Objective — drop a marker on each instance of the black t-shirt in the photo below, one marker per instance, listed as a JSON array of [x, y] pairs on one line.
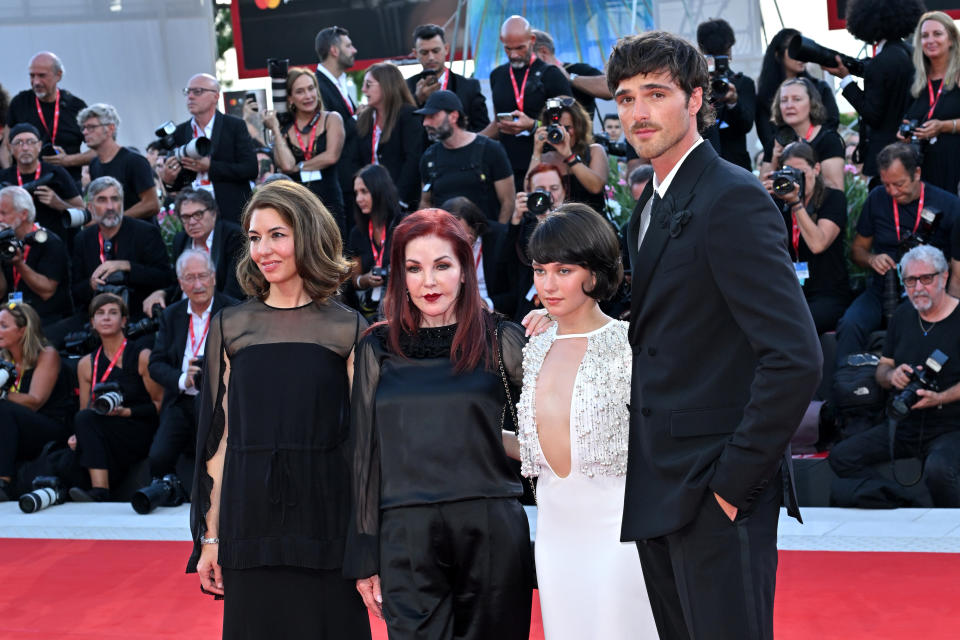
[[23, 108], [587, 101], [131, 169], [828, 269], [828, 144], [62, 184], [906, 344], [48, 259], [468, 171], [543, 81]]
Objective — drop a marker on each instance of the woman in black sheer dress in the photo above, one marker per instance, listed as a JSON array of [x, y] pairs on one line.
[[270, 506], [438, 540]]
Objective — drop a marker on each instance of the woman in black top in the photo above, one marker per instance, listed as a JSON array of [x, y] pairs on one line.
[[777, 67], [375, 213], [936, 104], [438, 542], [308, 144], [389, 132], [271, 501], [585, 161], [36, 404], [816, 227], [113, 433]]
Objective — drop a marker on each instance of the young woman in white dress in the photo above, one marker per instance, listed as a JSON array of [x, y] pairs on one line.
[[573, 431]]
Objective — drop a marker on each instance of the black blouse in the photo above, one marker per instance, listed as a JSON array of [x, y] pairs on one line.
[[423, 433]]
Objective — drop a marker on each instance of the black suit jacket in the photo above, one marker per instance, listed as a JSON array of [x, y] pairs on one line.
[[725, 354], [333, 101], [166, 358], [468, 90], [400, 155], [233, 163], [228, 241], [883, 100], [730, 141]]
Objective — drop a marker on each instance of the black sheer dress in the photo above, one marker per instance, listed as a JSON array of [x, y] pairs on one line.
[[435, 500], [275, 380]]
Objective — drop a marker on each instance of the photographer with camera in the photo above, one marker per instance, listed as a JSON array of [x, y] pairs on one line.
[[891, 223], [177, 357], [816, 217], [462, 163], [565, 139], [52, 188], [99, 124], [931, 119], [118, 415], [232, 163], [204, 230], [36, 392], [376, 212], [734, 95], [926, 383], [33, 270], [886, 76]]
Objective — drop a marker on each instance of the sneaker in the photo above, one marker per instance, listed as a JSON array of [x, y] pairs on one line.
[[96, 494]]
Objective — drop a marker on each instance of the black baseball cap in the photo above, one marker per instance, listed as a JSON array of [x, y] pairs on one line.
[[441, 101]]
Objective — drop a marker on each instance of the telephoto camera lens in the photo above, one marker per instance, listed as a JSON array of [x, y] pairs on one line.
[[107, 397], [277, 70], [554, 134], [75, 217], [46, 493], [167, 491]]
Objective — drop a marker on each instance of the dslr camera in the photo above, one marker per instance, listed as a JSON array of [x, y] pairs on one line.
[[928, 225], [107, 396], [47, 492], [145, 326], [80, 343], [10, 244], [613, 147], [380, 272], [538, 202], [924, 377], [908, 130], [116, 283], [197, 148], [720, 76], [785, 179], [554, 109], [8, 375], [167, 491]]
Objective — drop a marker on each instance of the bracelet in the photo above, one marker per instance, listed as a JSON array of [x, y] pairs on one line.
[[209, 540], [572, 160], [796, 204], [356, 281], [954, 126]]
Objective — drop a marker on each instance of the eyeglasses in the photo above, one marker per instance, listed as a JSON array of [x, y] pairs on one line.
[[192, 217], [196, 92], [925, 279], [91, 127], [24, 143], [196, 277]]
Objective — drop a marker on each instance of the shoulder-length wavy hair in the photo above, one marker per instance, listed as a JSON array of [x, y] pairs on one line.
[[471, 342], [921, 64], [318, 248], [581, 123], [25, 317], [818, 113], [384, 201], [395, 95], [293, 75]]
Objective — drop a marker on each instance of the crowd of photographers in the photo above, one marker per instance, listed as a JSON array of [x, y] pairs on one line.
[[102, 335]]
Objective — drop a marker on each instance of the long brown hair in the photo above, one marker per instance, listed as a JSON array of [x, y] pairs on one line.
[[395, 95], [471, 342], [316, 240]]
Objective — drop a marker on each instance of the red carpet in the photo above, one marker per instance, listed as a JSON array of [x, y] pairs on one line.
[[79, 589]]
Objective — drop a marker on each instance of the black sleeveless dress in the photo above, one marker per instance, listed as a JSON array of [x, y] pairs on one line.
[[328, 187]]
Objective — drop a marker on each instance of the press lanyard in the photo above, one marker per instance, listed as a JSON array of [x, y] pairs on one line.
[[16, 272], [809, 132], [796, 237], [377, 254], [96, 364], [103, 257], [374, 140], [933, 101], [896, 214], [446, 79], [56, 117], [36, 176], [312, 126], [479, 253], [16, 384], [195, 346], [518, 93]]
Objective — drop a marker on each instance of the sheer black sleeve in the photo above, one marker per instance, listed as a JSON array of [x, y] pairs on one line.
[[513, 340], [362, 555]]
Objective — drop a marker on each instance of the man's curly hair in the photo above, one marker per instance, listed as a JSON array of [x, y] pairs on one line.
[[876, 20]]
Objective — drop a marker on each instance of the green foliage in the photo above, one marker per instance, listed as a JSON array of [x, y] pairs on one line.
[[620, 202], [223, 27], [855, 188], [847, 120], [170, 226]]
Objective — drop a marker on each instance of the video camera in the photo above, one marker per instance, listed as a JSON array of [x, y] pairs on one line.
[[10, 244], [720, 76], [107, 396], [47, 492], [199, 147], [8, 375], [277, 70], [807, 50], [167, 491], [921, 377], [784, 180], [613, 148]]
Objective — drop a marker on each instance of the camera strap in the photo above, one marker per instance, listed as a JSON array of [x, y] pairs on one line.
[[111, 247], [896, 213], [36, 176], [933, 101], [96, 364], [56, 117], [377, 253], [375, 134], [16, 272], [195, 345]]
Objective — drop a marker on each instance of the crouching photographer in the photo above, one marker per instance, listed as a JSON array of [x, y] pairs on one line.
[[117, 417], [815, 216], [36, 393], [921, 366], [177, 358]]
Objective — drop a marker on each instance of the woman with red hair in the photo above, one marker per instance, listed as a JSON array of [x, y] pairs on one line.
[[438, 541]]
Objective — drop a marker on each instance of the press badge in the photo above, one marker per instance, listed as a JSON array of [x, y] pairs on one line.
[[803, 271], [15, 297], [310, 176]]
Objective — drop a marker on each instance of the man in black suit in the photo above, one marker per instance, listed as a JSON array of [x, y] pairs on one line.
[[336, 54], [886, 76], [431, 49], [232, 163], [176, 359], [203, 229], [726, 358]]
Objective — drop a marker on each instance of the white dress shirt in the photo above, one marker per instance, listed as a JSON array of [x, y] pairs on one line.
[[661, 189], [199, 326]]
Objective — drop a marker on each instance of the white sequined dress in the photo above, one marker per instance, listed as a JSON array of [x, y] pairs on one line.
[[591, 584]]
